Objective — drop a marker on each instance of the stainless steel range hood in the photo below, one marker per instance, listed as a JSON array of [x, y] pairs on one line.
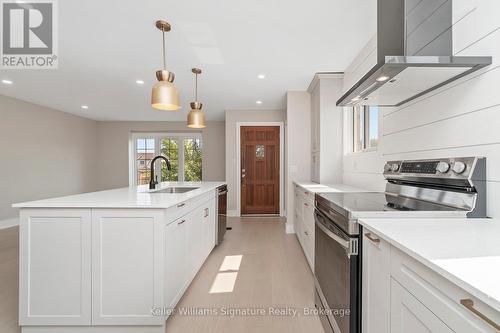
[[414, 54]]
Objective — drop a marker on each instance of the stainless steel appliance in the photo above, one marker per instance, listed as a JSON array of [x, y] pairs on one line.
[[412, 55], [221, 206], [449, 187]]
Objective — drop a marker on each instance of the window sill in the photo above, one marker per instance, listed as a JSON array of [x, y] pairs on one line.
[[367, 150]]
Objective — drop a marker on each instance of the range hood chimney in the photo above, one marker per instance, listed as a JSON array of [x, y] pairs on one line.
[[414, 54]]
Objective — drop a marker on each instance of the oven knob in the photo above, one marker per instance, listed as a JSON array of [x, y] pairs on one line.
[[395, 167], [387, 167], [459, 167], [442, 167]]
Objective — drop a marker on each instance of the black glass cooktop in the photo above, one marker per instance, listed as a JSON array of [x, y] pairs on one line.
[[378, 202]]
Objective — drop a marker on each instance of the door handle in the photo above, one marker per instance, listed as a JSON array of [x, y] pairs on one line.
[[469, 304], [181, 222], [373, 239], [206, 212]]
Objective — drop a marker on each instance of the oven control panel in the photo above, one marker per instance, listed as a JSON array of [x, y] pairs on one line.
[[419, 167], [456, 168]]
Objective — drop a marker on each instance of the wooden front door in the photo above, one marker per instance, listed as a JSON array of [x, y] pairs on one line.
[[260, 170]]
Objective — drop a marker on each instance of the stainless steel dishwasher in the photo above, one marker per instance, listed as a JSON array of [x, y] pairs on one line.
[[221, 213]]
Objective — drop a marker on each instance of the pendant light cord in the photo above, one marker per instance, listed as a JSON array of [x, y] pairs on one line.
[[164, 53], [196, 88]]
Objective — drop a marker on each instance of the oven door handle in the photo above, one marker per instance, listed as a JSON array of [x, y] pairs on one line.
[[345, 243]]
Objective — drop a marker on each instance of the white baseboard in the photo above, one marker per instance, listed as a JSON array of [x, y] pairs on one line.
[[8, 223], [233, 213], [289, 228]]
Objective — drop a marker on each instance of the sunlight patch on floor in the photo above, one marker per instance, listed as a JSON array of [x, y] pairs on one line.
[[228, 272], [231, 263]]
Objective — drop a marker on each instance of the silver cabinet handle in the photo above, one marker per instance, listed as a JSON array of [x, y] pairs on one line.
[[206, 212], [181, 205], [181, 222], [306, 204], [307, 234], [469, 304], [373, 239]]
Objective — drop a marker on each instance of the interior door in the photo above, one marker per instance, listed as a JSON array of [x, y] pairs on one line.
[[260, 167]]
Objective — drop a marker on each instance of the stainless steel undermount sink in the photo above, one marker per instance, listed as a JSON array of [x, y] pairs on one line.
[[174, 189]]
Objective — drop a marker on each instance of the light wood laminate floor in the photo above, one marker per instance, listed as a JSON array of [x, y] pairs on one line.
[[273, 273]]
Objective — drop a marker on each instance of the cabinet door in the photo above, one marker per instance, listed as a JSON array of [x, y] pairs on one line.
[[408, 315], [209, 220], [375, 284], [127, 266], [176, 268], [55, 267], [194, 236]]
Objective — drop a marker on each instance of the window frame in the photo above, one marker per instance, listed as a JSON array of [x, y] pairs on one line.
[[350, 132], [159, 136]]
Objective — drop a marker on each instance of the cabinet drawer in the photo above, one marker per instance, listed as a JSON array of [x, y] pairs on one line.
[[441, 296], [410, 315]]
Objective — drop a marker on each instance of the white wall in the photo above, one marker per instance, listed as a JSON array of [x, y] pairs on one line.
[[232, 117], [298, 145], [113, 149], [461, 119], [43, 153]]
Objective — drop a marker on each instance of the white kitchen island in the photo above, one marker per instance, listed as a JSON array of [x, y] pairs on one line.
[[112, 261]]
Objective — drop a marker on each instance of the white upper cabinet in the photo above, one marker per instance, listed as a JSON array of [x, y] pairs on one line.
[[326, 129], [55, 267]]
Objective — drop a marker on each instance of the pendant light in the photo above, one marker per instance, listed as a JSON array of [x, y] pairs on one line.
[[196, 117], [164, 95]]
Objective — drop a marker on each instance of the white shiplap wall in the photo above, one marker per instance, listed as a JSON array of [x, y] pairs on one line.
[[460, 119]]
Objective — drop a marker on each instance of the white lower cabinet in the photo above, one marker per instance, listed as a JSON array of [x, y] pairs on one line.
[[304, 222], [55, 267], [402, 295], [376, 287], [188, 242], [408, 315], [126, 266], [176, 264], [110, 268]]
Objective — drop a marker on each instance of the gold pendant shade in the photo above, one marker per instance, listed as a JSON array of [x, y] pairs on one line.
[[164, 95], [196, 117]]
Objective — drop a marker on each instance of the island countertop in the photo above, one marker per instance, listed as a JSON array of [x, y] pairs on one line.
[[126, 197]]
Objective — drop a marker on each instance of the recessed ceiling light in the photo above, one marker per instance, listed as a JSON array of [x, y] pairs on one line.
[[85, 107], [141, 82], [261, 76], [259, 102], [382, 78], [7, 82]]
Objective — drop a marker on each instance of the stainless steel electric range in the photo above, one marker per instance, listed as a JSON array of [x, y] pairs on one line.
[[448, 187]]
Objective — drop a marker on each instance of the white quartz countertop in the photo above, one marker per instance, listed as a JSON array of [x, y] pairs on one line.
[[126, 197], [464, 251], [323, 188]]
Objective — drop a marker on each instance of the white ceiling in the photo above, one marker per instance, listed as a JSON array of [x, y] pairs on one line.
[[105, 46]]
